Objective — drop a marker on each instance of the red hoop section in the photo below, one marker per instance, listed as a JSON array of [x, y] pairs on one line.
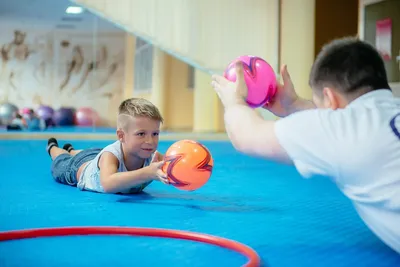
[[253, 258]]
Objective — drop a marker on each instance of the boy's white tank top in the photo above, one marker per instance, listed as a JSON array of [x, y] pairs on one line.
[[90, 177]]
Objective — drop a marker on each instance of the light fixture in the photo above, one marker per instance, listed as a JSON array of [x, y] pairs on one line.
[[74, 10]]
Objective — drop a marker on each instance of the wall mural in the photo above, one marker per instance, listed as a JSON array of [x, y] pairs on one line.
[[62, 69]]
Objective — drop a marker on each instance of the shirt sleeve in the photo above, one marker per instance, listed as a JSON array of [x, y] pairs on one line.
[[307, 137]]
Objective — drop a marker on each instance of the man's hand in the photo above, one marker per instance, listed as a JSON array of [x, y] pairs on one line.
[[285, 98], [231, 93]]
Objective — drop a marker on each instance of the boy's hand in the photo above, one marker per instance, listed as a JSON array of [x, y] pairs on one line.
[[156, 173]]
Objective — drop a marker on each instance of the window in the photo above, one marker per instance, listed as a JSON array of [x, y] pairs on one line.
[[191, 79], [143, 73]]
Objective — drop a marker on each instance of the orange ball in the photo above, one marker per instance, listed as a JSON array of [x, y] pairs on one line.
[[188, 165]]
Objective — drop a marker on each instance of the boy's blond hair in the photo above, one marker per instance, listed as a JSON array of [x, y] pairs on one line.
[[137, 107]]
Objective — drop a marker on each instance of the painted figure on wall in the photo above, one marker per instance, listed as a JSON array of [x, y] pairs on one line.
[[75, 65], [97, 72], [61, 68], [14, 55]]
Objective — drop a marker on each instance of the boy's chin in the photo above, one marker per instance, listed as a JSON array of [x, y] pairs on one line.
[[145, 154]]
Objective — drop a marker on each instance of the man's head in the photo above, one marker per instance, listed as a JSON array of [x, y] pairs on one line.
[[138, 126], [344, 70]]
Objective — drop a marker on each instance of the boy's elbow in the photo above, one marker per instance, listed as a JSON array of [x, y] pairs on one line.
[[108, 186], [108, 190]]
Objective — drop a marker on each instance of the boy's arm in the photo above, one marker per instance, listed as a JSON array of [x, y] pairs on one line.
[[114, 181]]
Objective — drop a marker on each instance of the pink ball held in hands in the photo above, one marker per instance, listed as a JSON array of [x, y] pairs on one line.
[[260, 79]]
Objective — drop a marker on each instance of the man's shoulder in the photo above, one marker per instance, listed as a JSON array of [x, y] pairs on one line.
[[314, 116], [322, 125], [333, 117]]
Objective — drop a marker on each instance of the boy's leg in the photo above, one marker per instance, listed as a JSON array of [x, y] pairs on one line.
[[62, 166], [71, 150], [53, 149]]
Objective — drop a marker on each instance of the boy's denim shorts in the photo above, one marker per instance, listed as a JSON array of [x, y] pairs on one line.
[[65, 167]]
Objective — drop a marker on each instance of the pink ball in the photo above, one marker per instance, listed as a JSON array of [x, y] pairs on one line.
[[86, 116], [260, 79], [25, 111]]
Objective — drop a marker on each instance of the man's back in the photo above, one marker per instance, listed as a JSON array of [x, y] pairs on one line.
[[366, 136], [359, 148], [370, 162]]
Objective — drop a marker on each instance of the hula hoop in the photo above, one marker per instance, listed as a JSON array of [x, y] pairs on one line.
[[253, 258]]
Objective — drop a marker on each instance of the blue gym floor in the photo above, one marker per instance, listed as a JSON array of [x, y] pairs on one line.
[[289, 221], [69, 129]]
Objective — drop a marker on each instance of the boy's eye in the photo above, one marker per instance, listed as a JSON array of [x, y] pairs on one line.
[[156, 134], [140, 134]]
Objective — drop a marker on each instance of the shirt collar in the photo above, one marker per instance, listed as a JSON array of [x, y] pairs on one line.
[[373, 95]]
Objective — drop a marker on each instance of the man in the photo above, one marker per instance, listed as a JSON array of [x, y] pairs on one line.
[[350, 132]]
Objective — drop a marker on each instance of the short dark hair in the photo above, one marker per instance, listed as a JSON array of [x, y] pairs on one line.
[[349, 65]]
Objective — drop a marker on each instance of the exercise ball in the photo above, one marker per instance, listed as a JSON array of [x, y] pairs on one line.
[[45, 112], [64, 117], [25, 111], [7, 113], [86, 116]]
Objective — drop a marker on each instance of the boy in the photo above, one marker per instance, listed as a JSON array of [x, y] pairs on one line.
[[126, 166], [351, 131]]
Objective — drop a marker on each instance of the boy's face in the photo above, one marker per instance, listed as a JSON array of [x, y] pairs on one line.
[[140, 139]]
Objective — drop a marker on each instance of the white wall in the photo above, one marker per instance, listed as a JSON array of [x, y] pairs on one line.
[[361, 25]]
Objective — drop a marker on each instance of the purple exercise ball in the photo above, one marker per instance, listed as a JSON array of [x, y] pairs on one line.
[[45, 112], [64, 117]]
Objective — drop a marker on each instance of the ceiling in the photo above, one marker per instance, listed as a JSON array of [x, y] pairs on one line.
[[51, 14]]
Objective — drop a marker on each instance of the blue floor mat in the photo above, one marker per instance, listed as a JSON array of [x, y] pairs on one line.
[[289, 221], [68, 129], [71, 129]]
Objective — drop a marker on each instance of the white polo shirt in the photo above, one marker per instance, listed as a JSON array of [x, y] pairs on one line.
[[359, 148]]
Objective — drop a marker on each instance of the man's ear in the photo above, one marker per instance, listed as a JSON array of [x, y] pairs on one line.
[[330, 98]]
